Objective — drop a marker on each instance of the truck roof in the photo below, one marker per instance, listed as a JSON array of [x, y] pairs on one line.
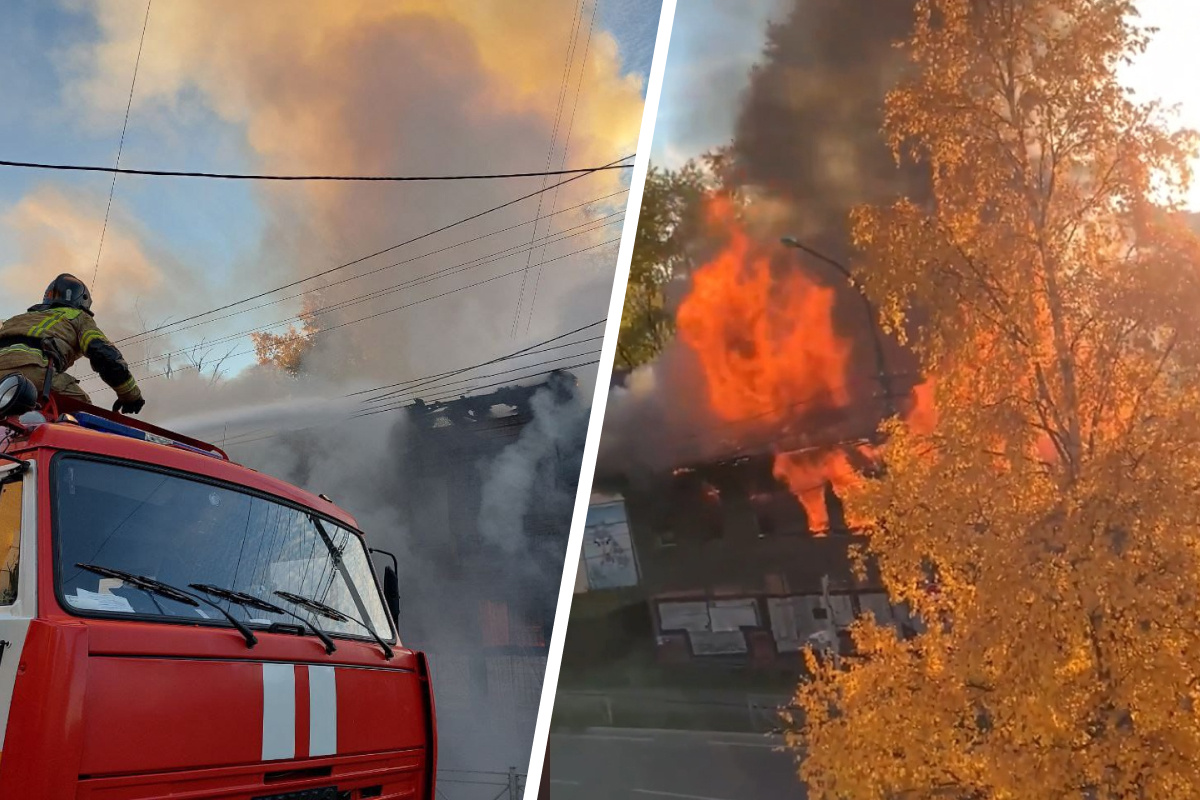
[[73, 437]]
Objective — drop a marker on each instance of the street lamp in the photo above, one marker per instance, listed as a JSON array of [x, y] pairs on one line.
[[872, 318]]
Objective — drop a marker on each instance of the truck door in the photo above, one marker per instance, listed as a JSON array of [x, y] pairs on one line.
[[18, 575]]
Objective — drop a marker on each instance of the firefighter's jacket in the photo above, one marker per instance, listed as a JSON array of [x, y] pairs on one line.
[[63, 335]]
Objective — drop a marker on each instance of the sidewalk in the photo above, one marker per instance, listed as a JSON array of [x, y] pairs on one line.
[[769, 740], [668, 709]]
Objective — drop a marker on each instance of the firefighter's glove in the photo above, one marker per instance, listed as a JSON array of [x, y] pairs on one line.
[[130, 403]]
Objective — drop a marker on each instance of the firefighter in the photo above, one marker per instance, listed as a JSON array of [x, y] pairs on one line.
[[58, 332]]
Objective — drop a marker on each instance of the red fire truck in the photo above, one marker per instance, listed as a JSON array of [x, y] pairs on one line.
[[175, 625]]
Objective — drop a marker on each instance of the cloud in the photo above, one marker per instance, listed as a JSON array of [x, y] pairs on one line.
[[55, 232]]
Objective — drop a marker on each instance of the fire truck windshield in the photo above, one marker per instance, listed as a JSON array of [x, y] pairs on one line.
[[183, 531]]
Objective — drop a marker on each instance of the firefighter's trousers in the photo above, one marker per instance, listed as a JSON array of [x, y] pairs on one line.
[[62, 384]]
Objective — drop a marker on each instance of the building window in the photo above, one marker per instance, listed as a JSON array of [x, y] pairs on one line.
[[10, 540]]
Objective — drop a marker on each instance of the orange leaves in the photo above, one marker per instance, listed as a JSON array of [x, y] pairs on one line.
[[286, 351], [1051, 492]]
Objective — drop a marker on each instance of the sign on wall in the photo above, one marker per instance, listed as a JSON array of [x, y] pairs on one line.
[[714, 627], [608, 558]]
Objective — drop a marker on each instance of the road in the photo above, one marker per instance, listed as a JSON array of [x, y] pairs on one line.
[[630, 764]]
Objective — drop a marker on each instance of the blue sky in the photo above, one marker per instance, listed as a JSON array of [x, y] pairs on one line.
[[208, 221], [714, 43]]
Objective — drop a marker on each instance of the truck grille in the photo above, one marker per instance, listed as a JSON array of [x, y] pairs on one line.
[[325, 793]]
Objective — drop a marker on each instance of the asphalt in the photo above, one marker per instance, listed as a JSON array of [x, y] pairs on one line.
[[640, 764]]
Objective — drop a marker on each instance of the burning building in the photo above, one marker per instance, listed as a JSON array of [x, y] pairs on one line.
[[732, 452]]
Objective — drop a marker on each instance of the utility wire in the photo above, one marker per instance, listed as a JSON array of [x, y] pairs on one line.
[[324, 331], [359, 260], [566, 149], [371, 272], [514, 354], [121, 145], [340, 305], [535, 348], [456, 395], [434, 382], [363, 415], [240, 440], [441, 386], [576, 20], [251, 177]]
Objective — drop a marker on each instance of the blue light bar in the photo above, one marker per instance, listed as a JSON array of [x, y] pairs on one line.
[[95, 423]]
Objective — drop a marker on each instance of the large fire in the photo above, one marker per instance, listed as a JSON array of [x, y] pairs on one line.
[[766, 343], [770, 354]]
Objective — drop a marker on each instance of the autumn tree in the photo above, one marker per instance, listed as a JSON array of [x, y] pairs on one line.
[[1051, 507], [287, 351]]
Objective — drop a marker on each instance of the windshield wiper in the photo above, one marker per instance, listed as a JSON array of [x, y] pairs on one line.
[[170, 592], [250, 601], [329, 612]]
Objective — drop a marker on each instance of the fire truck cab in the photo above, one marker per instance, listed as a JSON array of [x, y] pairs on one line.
[[175, 625]]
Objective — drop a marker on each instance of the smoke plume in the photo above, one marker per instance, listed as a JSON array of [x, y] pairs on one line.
[[807, 148]]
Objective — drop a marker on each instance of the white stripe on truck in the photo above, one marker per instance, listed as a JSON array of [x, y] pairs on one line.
[[322, 711], [279, 712]]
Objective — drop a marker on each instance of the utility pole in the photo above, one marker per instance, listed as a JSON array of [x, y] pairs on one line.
[[885, 381], [830, 625], [512, 784]]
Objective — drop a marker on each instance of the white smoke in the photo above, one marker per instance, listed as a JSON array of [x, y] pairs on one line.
[[524, 474]]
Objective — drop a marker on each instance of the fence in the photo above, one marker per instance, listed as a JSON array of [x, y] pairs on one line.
[[460, 784], [713, 711], [485, 721]]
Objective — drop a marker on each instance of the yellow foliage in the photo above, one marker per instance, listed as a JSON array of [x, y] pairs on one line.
[[1054, 501], [286, 351]]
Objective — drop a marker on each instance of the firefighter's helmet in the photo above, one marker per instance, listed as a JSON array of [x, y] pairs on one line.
[[70, 291]]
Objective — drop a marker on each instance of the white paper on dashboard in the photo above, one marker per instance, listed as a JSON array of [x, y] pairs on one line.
[[94, 601]]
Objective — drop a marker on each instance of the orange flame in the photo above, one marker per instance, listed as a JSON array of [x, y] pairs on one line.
[[765, 342], [769, 352], [807, 474]]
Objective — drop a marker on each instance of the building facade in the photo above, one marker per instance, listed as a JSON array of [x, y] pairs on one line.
[[726, 567]]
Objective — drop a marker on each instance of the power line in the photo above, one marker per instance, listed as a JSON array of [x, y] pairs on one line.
[[532, 349], [269, 303], [432, 382], [362, 415], [324, 331], [251, 177], [359, 260], [441, 387], [497, 360], [121, 145], [566, 148], [456, 395], [443, 273], [576, 20]]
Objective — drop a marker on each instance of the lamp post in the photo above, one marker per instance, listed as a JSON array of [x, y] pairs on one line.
[[877, 339]]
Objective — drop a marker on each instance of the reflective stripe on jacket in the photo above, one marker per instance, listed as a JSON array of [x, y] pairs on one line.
[[66, 334]]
